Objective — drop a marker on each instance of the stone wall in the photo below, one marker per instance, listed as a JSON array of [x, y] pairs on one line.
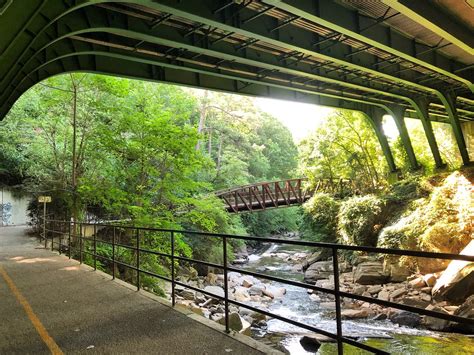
[[13, 209]]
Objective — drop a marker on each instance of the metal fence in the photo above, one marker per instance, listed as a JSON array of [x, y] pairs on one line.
[[79, 239]]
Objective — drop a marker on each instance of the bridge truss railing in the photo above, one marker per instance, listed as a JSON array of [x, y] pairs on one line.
[[80, 239], [264, 195]]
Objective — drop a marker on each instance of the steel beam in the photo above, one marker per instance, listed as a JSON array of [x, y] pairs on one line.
[[448, 100], [215, 80], [397, 112], [429, 16], [299, 72], [171, 37], [375, 118], [422, 113], [336, 19], [297, 39]]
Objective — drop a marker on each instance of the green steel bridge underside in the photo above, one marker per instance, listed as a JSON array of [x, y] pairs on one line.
[[405, 58]]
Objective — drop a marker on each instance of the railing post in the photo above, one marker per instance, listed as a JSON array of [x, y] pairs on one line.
[[95, 247], [60, 237], [226, 286], [53, 229], [113, 254], [44, 226], [80, 243], [335, 265], [138, 258], [173, 297], [69, 240]]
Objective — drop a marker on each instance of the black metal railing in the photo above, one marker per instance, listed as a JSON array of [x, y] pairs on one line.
[[71, 238]]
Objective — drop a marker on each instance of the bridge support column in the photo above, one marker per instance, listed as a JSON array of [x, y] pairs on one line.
[[398, 113], [374, 116], [421, 107], [468, 130], [449, 102]]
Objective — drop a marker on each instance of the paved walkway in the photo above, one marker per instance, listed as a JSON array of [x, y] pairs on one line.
[[50, 304]]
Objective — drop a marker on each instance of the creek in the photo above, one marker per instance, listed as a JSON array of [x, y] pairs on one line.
[[297, 305]]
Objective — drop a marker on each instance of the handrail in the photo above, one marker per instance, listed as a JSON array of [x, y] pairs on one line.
[[261, 183], [272, 194], [69, 229]]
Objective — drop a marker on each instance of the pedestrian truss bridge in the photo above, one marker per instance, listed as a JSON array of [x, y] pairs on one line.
[[290, 192]]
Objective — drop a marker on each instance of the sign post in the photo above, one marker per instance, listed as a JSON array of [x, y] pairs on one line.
[[44, 200]]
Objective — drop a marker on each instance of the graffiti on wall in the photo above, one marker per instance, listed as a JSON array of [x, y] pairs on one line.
[[6, 214]]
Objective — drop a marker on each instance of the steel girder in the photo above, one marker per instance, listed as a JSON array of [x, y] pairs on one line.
[[46, 39], [375, 118], [428, 16], [350, 23]]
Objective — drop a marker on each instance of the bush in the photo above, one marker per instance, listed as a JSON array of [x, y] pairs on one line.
[[438, 223], [410, 188], [320, 218], [360, 219]]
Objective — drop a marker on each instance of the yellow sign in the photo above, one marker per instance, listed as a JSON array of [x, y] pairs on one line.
[[44, 199]]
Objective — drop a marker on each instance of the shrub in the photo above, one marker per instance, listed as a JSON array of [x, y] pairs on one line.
[[438, 223], [360, 219], [320, 218]]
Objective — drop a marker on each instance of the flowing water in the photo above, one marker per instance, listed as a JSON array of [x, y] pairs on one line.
[[298, 306]]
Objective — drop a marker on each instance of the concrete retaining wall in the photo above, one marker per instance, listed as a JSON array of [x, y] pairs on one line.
[[13, 210]]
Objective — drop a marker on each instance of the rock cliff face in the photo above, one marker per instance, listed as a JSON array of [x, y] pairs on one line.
[[456, 283]]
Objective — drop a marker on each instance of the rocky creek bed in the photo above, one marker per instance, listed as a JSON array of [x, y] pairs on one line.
[[392, 330]]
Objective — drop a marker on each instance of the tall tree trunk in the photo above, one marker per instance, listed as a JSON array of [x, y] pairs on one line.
[[209, 148], [202, 116]]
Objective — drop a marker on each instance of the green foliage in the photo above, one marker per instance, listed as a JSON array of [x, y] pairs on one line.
[[360, 219], [344, 147], [273, 221], [320, 218], [436, 222]]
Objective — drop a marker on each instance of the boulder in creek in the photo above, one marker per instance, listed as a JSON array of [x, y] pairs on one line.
[[417, 283], [380, 316], [187, 294], [241, 294], [374, 289], [248, 281], [384, 295], [457, 281], [211, 278], [430, 280], [237, 323], [414, 301], [231, 276], [354, 313], [256, 290], [318, 271], [256, 316], [398, 292], [326, 283], [310, 344], [276, 292], [216, 290], [406, 318], [395, 271], [433, 323], [320, 255], [370, 273], [466, 310], [358, 289]]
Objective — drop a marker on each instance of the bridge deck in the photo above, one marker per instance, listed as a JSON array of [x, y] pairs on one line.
[[80, 308]]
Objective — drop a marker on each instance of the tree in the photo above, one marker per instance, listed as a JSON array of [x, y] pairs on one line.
[[345, 147]]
